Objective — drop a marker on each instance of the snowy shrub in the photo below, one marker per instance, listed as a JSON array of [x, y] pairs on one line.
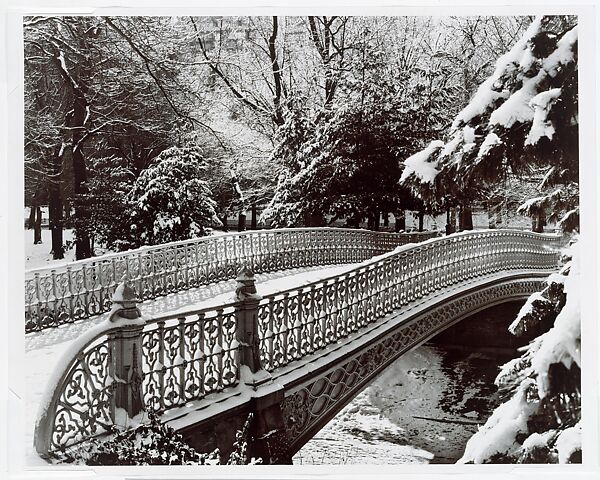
[[170, 200], [154, 443], [542, 385], [239, 455]]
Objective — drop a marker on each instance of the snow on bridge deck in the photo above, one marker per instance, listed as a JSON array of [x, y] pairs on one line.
[[43, 349]]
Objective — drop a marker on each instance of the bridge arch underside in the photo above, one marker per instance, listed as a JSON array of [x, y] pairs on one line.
[[313, 399], [305, 395]]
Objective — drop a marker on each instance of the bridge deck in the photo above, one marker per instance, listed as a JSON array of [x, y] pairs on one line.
[[44, 348]]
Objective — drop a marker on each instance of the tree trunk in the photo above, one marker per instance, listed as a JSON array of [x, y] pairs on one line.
[[465, 218], [376, 219], [241, 221], [55, 209], [31, 218], [67, 207], [253, 221], [83, 247], [37, 225], [491, 216], [421, 219], [450, 227], [538, 221], [386, 219], [224, 221], [453, 219], [400, 221]]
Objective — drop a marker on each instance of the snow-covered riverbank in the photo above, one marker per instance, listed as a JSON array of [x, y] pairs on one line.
[[422, 409]]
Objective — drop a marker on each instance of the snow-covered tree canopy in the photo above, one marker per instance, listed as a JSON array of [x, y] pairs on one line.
[[523, 116], [170, 199], [344, 162]]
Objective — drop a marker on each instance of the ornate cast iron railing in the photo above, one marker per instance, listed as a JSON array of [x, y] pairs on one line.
[[82, 289], [299, 321], [166, 362]]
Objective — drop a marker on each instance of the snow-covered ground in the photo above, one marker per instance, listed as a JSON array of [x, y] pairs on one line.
[[43, 349], [37, 256]]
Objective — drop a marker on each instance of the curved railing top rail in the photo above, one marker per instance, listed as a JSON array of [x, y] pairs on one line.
[[90, 337], [82, 289], [379, 259], [200, 348], [187, 311], [95, 333], [149, 248]]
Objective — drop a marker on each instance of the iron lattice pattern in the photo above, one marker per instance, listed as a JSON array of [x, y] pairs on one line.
[[315, 404], [189, 355], [83, 408], [83, 289], [299, 322]]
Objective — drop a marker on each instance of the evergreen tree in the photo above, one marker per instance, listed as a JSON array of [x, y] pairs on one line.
[[345, 162], [523, 117], [171, 199], [540, 421], [109, 211]]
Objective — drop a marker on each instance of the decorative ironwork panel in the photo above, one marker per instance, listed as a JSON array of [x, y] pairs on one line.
[[312, 405], [188, 357], [83, 407], [84, 288]]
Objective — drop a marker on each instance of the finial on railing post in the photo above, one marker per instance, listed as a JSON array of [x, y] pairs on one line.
[[125, 344], [251, 370], [124, 301]]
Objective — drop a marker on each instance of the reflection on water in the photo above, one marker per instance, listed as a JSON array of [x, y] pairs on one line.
[[422, 409]]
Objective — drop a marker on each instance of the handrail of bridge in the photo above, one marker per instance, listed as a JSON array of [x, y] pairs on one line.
[[82, 289], [187, 355]]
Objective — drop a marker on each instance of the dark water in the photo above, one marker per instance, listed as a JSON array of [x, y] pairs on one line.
[[425, 406]]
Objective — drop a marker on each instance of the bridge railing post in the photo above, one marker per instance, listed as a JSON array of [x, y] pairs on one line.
[[125, 353], [251, 370]]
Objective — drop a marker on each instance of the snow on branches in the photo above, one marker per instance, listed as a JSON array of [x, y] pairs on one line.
[[522, 117], [540, 422], [419, 164], [170, 199]]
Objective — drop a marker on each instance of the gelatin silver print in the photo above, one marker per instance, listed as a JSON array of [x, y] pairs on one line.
[[301, 240]]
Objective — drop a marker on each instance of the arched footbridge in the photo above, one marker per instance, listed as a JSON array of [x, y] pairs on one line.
[[288, 361]]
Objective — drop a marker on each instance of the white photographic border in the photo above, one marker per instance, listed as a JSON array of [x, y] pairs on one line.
[[12, 411]]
